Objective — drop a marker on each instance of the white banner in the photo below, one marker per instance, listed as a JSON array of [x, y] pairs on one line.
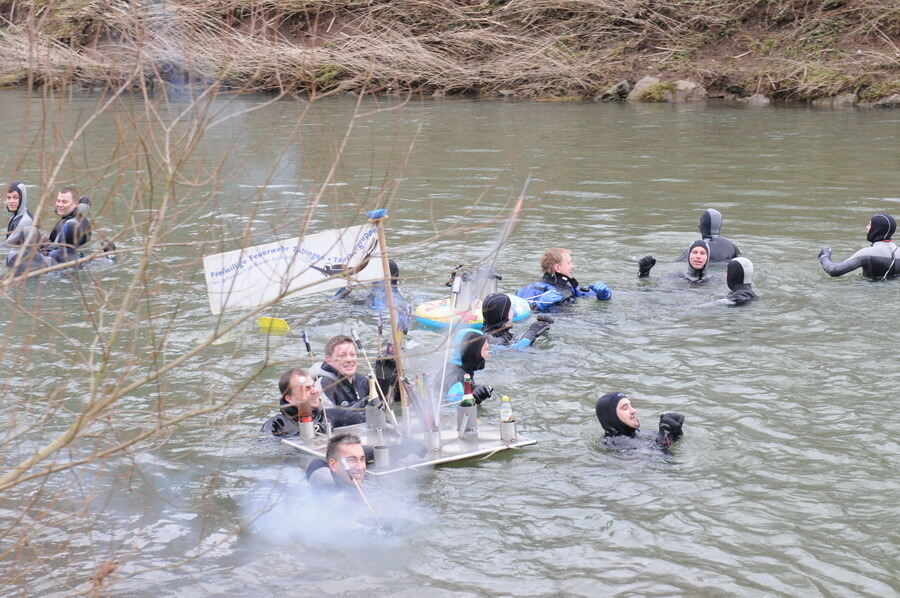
[[249, 277]]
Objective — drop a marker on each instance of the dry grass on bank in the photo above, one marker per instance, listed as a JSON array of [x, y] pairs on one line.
[[526, 48]]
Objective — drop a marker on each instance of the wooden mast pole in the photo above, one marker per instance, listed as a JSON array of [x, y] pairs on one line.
[[377, 217]]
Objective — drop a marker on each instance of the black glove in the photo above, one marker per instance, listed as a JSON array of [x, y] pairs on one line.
[[645, 264], [826, 252], [543, 318], [669, 429], [277, 427], [535, 330], [480, 393]]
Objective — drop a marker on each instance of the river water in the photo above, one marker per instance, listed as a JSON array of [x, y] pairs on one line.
[[785, 482]]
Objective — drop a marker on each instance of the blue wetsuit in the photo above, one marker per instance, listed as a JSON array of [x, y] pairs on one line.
[[554, 290]]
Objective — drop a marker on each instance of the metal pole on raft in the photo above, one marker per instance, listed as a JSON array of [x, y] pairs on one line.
[[377, 217]]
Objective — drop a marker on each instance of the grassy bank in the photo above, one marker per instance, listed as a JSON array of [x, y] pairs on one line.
[[551, 49]]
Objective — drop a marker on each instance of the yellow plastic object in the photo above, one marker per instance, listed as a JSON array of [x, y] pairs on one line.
[[273, 326]]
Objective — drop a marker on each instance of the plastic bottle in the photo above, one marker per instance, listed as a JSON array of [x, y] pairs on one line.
[[505, 410], [373, 392], [468, 400]]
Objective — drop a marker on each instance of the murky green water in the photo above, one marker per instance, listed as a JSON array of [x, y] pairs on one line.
[[785, 482]]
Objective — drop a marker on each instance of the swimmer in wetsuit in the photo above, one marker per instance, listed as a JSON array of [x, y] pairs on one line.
[[497, 311], [376, 298], [720, 248], [739, 275], [878, 261], [620, 422], [557, 286], [697, 260], [470, 355]]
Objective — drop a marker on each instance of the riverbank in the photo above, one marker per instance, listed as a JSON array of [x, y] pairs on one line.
[[781, 50]]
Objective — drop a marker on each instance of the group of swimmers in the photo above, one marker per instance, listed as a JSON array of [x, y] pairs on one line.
[[334, 391], [34, 250]]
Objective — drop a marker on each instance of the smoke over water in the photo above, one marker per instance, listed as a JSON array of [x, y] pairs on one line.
[[292, 514]]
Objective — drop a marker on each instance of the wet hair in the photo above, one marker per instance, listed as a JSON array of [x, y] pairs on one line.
[[284, 383], [881, 228], [336, 442], [551, 257], [333, 343]]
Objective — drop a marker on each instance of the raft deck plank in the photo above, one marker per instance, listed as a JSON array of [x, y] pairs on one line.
[[452, 447]]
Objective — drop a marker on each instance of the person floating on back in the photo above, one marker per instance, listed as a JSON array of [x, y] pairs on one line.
[[557, 286], [878, 261], [620, 422], [720, 248]]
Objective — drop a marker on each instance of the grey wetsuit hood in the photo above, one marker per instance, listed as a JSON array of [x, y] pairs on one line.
[[739, 272], [697, 274], [710, 223]]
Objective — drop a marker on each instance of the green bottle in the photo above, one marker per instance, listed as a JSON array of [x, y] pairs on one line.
[[468, 400]]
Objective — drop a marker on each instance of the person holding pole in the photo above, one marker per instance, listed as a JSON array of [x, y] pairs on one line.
[[344, 466]]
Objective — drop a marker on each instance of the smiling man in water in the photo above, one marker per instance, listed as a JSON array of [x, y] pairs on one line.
[[73, 229], [344, 465], [341, 382]]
